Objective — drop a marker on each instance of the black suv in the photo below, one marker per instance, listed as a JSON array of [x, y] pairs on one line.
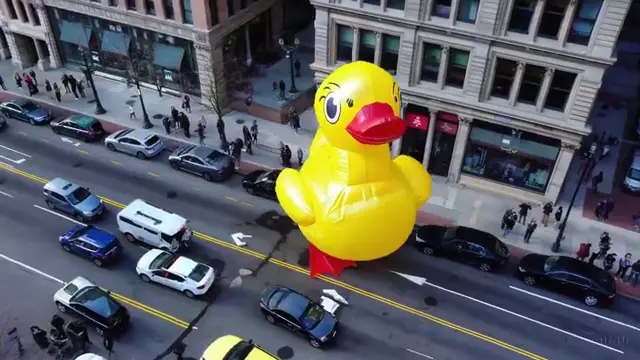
[[463, 244]]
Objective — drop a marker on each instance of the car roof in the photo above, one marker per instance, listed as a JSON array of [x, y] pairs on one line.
[[82, 120], [81, 283], [182, 266], [98, 236], [293, 302], [474, 235], [201, 151], [140, 135], [220, 348], [581, 268], [61, 186], [154, 217]]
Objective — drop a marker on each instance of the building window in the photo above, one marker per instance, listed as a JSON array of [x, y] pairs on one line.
[[345, 44], [561, 86], [113, 3], [389, 55], [457, 68], [531, 84], [367, 46], [150, 6], [187, 14], [503, 79], [213, 8], [168, 9], [441, 8], [11, 9], [371, 2], [431, 55], [552, 17], [35, 15], [243, 4], [131, 5], [521, 15], [584, 21], [395, 4], [230, 9], [467, 11]]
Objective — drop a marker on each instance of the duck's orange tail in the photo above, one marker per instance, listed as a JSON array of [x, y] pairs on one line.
[[321, 263]]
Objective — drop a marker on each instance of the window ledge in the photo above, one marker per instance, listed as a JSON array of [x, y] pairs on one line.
[[526, 108], [498, 101], [427, 86]]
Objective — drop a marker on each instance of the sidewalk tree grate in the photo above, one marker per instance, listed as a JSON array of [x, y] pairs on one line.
[[239, 121], [172, 195], [157, 116], [77, 164], [430, 301], [91, 101], [134, 96], [130, 102], [285, 353]]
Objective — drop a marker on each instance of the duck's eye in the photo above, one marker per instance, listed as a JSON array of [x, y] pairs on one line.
[[332, 108]]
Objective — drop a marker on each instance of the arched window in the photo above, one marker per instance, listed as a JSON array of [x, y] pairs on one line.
[[34, 12], [11, 9], [23, 11]]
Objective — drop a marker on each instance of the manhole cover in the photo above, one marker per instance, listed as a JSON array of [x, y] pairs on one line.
[[91, 101], [130, 102], [77, 165], [134, 96], [158, 116], [239, 121], [430, 301], [285, 353], [172, 194]]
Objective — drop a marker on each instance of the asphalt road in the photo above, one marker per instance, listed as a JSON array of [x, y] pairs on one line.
[[388, 317]]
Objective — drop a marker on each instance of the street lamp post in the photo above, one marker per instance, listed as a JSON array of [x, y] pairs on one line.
[[146, 123], [88, 74], [590, 162], [289, 50]]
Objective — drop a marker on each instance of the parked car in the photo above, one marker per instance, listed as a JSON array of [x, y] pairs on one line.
[[211, 164], [81, 127], [77, 201], [27, 111], [631, 183], [296, 312], [230, 347], [463, 244], [261, 183], [3, 121], [142, 144], [82, 298], [92, 243], [177, 272], [569, 276]]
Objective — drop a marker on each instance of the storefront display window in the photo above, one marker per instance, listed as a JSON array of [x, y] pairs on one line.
[[510, 156], [414, 139], [444, 139]]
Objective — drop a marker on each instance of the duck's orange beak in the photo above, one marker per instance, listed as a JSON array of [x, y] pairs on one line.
[[376, 124]]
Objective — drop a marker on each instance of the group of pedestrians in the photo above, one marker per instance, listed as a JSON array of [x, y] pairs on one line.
[[512, 217], [603, 209], [29, 80]]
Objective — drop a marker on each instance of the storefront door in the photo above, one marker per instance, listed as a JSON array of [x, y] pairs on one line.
[[444, 139], [415, 137]]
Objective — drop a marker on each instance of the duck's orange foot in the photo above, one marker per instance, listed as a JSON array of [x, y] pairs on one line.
[[321, 263]]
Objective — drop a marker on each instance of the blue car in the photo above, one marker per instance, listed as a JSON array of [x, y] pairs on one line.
[[27, 111], [75, 200], [95, 244]]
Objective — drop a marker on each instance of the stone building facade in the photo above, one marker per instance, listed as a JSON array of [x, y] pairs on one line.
[[496, 93]]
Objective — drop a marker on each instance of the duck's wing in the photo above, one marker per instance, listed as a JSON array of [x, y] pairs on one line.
[[418, 178], [295, 198], [319, 142]]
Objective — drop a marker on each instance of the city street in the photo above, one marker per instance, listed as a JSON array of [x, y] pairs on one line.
[[460, 313]]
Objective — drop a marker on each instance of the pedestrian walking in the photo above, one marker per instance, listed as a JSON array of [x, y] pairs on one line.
[[558, 215], [287, 156], [295, 122], [14, 338], [203, 122], [505, 216], [254, 131], [2, 83], [623, 266], [524, 211], [65, 82], [32, 73], [300, 156], [246, 134], [220, 128], [583, 251], [39, 337], [73, 83], [56, 91], [18, 79], [81, 89], [48, 88], [297, 66], [547, 209], [248, 101], [186, 103], [282, 87], [596, 180], [200, 132], [132, 113], [608, 209], [159, 84], [509, 223], [57, 322], [175, 118], [166, 123], [274, 88], [531, 227], [634, 278], [185, 124], [236, 151], [599, 210]]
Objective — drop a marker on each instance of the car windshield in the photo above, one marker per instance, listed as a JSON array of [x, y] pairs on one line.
[[239, 352], [213, 158], [312, 316], [152, 140], [29, 107], [634, 174], [198, 273], [78, 195], [551, 263], [161, 261], [98, 301]]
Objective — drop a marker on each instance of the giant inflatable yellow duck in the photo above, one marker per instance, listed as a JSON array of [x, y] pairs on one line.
[[350, 199]]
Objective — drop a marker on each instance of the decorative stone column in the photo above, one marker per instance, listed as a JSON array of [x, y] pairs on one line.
[[378, 51], [21, 15], [356, 41], [444, 60], [16, 56], [565, 28], [433, 116], [5, 52], [177, 9], [559, 175], [517, 82], [457, 158], [55, 61], [30, 15], [43, 59], [544, 88]]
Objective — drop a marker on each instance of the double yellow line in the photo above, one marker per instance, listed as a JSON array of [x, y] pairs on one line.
[[302, 271]]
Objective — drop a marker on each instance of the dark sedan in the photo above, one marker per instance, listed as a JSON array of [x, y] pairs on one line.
[[27, 111], [296, 312], [569, 276], [211, 164], [81, 127], [261, 183], [463, 244]]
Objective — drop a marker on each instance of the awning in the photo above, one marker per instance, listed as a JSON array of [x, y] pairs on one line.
[[167, 56], [75, 33], [115, 42]]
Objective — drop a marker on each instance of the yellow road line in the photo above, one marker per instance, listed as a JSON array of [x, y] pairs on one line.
[[22, 133], [303, 271], [246, 204], [149, 310], [82, 151], [196, 188], [230, 198], [116, 163], [153, 174]]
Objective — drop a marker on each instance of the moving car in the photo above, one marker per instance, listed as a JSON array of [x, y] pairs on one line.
[[463, 244], [632, 178], [231, 347], [177, 272], [27, 111], [81, 127], [296, 312], [142, 144], [568, 276], [82, 298], [261, 183], [92, 243], [211, 164], [63, 195], [140, 221]]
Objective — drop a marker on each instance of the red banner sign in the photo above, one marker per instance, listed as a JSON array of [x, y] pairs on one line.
[[417, 121], [447, 127]]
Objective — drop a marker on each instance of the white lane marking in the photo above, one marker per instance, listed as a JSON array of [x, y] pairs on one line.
[[32, 269], [575, 308], [13, 161], [59, 215], [5, 194], [419, 354], [5, 164], [525, 318], [15, 151]]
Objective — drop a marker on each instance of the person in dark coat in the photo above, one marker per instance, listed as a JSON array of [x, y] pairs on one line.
[[246, 134], [184, 124], [524, 211], [596, 180], [509, 223], [166, 122], [48, 88], [531, 227], [65, 82], [287, 156], [220, 128], [599, 210], [225, 146], [200, 132], [507, 214], [236, 151], [295, 121], [18, 80], [2, 83], [608, 208], [73, 83], [558, 215], [547, 209], [33, 76], [159, 84], [39, 337], [56, 91], [57, 322], [282, 86], [254, 131], [175, 118], [81, 89]]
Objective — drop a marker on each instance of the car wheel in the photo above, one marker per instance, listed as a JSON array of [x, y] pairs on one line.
[[590, 300], [99, 330], [130, 237], [315, 343], [145, 278], [250, 191], [79, 217], [50, 205], [174, 165], [86, 139], [485, 267], [111, 147], [428, 251], [98, 262], [66, 248], [62, 308], [270, 319], [529, 280], [56, 130], [141, 156], [189, 294], [207, 177]]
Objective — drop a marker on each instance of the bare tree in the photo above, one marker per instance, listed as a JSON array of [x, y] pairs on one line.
[[218, 82]]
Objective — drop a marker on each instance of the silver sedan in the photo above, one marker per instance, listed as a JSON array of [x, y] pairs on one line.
[[211, 164], [142, 144]]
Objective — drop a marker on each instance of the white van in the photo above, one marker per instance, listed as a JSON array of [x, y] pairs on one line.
[[146, 223], [89, 356], [632, 178]]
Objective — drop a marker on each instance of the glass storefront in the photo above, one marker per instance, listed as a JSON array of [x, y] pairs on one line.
[[510, 156], [414, 139], [111, 44], [444, 139]]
